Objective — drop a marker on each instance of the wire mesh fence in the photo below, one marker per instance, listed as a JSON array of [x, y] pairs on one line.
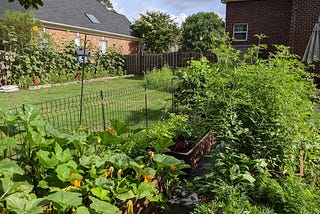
[[137, 107]]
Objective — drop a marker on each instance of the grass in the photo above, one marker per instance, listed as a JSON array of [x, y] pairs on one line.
[[16, 99], [124, 100]]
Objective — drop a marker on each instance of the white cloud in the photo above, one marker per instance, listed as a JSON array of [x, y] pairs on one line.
[[177, 9], [179, 18]]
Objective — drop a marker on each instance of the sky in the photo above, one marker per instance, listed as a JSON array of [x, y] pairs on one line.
[[178, 9]]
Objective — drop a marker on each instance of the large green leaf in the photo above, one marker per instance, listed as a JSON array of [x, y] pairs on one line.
[[7, 142], [62, 156], [161, 145], [102, 206], [24, 206], [66, 199], [121, 161], [82, 210], [147, 190], [45, 160], [124, 196], [9, 167], [165, 160], [101, 193], [63, 172]]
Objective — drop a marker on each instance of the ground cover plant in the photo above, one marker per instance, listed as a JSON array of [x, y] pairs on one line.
[[266, 123], [99, 172]]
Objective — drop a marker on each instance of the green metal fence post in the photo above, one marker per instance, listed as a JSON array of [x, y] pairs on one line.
[[103, 114]]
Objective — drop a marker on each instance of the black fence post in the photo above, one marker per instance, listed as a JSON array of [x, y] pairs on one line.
[[172, 88], [146, 105], [103, 113]]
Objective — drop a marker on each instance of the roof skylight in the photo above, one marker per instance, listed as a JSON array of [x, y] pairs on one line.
[[92, 18]]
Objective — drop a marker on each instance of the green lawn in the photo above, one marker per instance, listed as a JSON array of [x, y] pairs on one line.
[[16, 99], [123, 99]]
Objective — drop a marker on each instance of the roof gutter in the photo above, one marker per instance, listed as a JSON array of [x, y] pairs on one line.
[[59, 26], [229, 1]]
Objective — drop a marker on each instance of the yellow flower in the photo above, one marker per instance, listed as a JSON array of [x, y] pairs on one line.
[[111, 169], [68, 31], [147, 178], [151, 154], [76, 183], [130, 207], [98, 140], [35, 28], [142, 166], [111, 130], [173, 167], [120, 172], [106, 174]]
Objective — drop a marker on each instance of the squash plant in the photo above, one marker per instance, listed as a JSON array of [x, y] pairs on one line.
[[53, 172]]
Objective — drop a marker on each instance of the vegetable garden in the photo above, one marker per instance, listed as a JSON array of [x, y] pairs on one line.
[[266, 124]]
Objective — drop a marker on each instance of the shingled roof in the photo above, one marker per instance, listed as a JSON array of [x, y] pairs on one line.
[[72, 13]]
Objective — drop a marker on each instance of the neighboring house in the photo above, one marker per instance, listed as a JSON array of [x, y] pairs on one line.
[[73, 19], [286, 22]]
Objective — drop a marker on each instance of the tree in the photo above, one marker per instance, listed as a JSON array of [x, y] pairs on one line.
[[30, 3], [107, 3], [202, 32], [159, 32]]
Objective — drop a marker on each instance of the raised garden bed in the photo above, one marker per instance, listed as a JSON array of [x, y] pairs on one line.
[[196, 153]]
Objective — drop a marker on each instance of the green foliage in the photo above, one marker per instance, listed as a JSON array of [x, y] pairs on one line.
[[109, 63], [32, 58], [16, 30], [158, 31], [202, 32], [108, 4], [162, 79], [30, 3], [101, 172], [264, 115]]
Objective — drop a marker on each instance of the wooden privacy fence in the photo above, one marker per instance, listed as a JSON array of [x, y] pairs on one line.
[[140, 63]]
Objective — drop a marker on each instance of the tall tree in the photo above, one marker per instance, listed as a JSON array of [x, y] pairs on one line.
[[202, 31], [158, 30], [30, 3]]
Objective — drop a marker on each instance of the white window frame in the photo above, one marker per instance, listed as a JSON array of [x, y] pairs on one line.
[[240, 32], [77, 41], [103, 49]]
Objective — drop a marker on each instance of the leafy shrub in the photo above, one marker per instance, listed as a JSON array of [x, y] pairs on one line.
[[111, 62], [265, 119], [162, 79]]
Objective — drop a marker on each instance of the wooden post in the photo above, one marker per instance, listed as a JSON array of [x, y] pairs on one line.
[[301, 163]]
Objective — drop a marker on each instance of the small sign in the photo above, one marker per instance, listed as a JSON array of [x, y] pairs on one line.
[[82, 56]]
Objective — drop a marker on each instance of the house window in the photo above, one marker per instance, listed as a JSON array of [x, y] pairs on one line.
[[240, 32], [77, 41], [92, 18], [103, 46]]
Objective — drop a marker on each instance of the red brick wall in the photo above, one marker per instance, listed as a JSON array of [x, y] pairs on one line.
[[305, 14], [287, 22], [127, 47], [269, 17]]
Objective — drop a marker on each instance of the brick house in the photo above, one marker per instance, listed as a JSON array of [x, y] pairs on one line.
[[72, 19], [287, 22]]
